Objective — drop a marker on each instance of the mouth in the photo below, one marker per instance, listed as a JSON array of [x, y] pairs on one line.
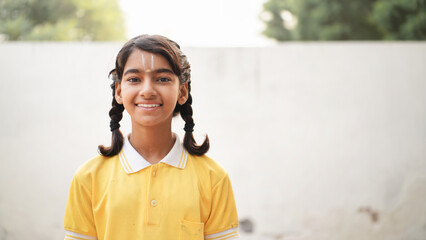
[[148, 105]]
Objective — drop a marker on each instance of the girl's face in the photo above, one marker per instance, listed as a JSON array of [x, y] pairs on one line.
[[149, 90]]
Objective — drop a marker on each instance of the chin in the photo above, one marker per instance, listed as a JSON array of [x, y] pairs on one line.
[[151, 122]]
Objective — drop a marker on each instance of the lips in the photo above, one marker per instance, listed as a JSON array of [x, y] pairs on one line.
[[148, 105]]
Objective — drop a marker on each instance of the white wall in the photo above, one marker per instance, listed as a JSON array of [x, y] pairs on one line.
[[318, 138]]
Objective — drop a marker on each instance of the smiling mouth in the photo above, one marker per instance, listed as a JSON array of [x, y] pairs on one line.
[[148, 105]]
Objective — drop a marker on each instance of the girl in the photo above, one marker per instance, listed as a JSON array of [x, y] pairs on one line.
[[149, 185]]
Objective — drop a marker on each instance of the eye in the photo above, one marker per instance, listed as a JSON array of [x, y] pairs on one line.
[[133, 79], [164, 79]]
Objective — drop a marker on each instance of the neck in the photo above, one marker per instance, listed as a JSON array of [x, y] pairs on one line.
[[152, 143]]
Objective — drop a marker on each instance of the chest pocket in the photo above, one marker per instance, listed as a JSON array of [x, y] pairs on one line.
[[191, 230]]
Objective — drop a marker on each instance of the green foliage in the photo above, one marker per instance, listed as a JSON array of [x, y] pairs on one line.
[[401, 19], [274, 26], [347, 19], [61, 20]]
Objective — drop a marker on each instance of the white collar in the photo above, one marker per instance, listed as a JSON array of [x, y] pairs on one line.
[[132, 161]]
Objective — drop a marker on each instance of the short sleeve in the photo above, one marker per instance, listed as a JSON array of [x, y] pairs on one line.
[[78, 214], [223, 220]]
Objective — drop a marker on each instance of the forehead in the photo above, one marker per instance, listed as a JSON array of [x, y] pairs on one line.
[[141, 59]]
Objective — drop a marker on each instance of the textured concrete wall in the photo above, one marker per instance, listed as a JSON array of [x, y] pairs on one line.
[[321, 140]]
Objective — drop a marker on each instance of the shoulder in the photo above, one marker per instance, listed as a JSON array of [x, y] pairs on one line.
[[206, 167], [88, 170]]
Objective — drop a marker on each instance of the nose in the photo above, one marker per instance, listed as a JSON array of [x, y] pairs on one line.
[[147, 90]]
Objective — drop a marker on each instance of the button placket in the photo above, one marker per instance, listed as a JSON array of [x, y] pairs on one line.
[[154, 208], [154, 170]]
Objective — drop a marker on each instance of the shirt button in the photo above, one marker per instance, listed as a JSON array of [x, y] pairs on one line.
[[154, 203], [154, 173]]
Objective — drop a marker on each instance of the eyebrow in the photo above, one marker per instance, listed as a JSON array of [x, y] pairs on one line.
[[159, 70]]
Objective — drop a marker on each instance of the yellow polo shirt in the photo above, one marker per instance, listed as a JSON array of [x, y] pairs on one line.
[[124, 197]]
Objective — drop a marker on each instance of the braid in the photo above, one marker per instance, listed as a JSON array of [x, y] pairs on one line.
[[116, 114], [189, 141]]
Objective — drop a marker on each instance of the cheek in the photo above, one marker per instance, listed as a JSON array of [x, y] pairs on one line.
[[172, 98], [127, 96], [127, 93], [177, 94], [172, 92]]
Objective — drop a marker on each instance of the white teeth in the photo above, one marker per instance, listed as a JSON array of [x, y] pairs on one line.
[[148, 105]]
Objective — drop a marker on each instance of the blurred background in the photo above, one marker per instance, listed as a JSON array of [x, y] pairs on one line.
[[317, 109]]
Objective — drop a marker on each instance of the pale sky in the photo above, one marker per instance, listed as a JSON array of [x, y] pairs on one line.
[[197, 22]]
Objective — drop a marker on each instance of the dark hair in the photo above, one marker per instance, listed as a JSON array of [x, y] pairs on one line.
[[170, 50]]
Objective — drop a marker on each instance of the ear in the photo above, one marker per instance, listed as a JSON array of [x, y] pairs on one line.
[[183, 93], [118, 93]]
